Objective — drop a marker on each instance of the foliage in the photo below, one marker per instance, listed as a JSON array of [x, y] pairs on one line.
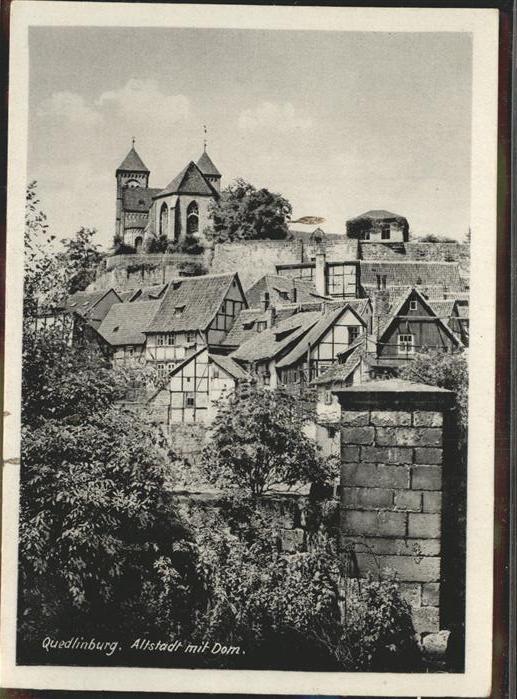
[[257, 442], [243, 212], [81, 258], [190, 245], [101, 547], [52, 273], [446, 370], [287, 607], [431, 238], [63, 382], [192, 269], [158, 244], [122, 248]]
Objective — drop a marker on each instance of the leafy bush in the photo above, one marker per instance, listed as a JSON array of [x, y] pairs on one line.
[[122, 248], [191, 245], [192, 269], [286, 610], [158, 244]]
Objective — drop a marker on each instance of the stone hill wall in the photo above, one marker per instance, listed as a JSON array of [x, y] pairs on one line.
[[418, 252]]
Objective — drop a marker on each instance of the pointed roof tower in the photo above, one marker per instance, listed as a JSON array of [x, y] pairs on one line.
[[206, 166], [132, 162]]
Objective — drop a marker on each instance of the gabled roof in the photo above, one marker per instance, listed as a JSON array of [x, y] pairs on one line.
[[229, 365], [271, 342], [191, 303], [139, 199], [206, 166], [278, 287], [396, 308], [132, 163], [125, 323], [403, 274], [443, 307], [315, 334], [189, 181], [340, 371], [83, 302]]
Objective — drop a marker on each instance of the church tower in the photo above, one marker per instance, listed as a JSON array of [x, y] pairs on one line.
[[209, 170], [130, 173]]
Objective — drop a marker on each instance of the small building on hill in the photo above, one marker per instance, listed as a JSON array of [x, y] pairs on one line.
[[378, 226]]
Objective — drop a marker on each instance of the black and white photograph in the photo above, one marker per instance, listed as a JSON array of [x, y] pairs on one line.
[[252, 314]]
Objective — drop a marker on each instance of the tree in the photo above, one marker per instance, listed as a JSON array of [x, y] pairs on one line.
[[446, 370], [80, 257], [245, 213], [431, 238], [101, 546], [257, 442]]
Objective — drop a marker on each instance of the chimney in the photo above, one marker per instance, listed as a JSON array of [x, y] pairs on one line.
[[320, 274], [272, 316], [294, 293], [265, 300], [380, 309]]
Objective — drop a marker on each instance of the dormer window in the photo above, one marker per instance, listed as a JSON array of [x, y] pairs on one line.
[[412, 305], [178, 310], [261, 326]]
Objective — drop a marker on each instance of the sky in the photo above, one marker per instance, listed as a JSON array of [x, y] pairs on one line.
[[337, 122]]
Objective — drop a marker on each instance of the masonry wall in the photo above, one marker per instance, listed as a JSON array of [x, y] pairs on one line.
[[391, 498]]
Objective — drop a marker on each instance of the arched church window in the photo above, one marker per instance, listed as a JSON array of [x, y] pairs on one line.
[[192, 218], [164, 220], [138, 243]]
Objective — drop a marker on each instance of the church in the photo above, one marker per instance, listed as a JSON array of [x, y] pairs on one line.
[[175, 212]]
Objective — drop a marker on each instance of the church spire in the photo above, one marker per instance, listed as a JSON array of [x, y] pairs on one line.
[[132, 162]]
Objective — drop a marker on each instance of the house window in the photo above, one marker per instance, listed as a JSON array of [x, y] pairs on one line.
[[215, 372], [130, 351], [190, 400], [328, 397], [385, 233], [353, 333], [179, 310], [406, 344], [170, 339], [161, 369], [412, 305], [366, 235], [191, 337], [160, 340], [261, 325], [192, 218], [267, 378]]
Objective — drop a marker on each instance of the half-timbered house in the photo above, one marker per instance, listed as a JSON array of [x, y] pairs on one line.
[[194, 388]]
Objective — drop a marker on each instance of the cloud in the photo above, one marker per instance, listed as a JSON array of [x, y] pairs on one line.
[[71, 107], [142, 102], [278, 117]]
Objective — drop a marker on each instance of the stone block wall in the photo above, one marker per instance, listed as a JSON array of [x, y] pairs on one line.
[[391, 491]]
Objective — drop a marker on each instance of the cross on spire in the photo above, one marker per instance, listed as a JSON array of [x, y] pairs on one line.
[[133, 142], [205, 138]]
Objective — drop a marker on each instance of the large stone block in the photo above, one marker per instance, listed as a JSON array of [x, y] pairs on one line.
[[355, 418], [432, 502], [407, 568], [349, 454], [390, 418], [374, 475], [374, 523], [357, 435], [367, 498], [427, 418], [424, 526], [401, 546], [426, 477], [408, 500], [409, 436], [387, 455], [431, 594], [426, 619], [428, 456]]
